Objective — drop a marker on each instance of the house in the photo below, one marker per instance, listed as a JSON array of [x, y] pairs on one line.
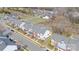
[[10, 16], [22, 25], [46, 17], [17, 23], [26, 26], [47, 34], [41, 32], [74, 37], [6, 32], [64, 43], [6, 44], [38, 31], [75, 14]]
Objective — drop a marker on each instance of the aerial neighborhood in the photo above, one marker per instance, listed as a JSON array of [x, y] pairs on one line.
[[39, 29]]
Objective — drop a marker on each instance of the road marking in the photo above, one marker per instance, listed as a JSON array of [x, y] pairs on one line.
[[30, 39], [24, 35]]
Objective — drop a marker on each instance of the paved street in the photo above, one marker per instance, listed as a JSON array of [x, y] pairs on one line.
[[25, 41]]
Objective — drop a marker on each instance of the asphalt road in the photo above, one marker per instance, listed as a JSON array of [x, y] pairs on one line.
[[25, 41]]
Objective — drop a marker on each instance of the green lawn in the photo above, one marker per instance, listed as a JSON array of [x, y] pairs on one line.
[[1, 16], [33, 19]]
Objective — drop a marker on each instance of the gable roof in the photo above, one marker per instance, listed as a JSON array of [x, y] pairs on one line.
[[15, 21], [6, 32], [59, 38], [71, 43], [39, 29], [28, 25], [2, 45], [4, 41], [35, 28]]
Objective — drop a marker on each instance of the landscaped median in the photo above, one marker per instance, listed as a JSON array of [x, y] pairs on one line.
[[40, 43]]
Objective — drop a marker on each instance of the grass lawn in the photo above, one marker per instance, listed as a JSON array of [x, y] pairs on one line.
[[1, 16], [50, 46], [41, 41], [33, 19]]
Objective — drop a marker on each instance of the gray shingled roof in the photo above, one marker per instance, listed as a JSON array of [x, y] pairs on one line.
[[28, 25], [2, 45], [15, 21], [4, 41], [35, 28], [73, 44], [6, 32], [76, 36], [39, 29], [59, 38]]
